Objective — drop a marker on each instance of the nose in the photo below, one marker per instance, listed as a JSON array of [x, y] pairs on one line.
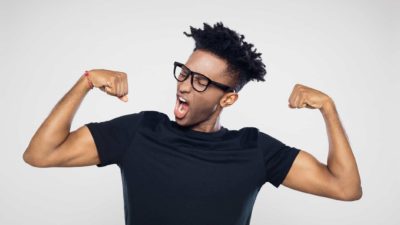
[[185, 86]]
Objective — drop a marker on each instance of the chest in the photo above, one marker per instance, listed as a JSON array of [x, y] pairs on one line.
[[181, 169]]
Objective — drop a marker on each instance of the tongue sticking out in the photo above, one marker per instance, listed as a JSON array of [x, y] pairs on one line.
[[181, 109]]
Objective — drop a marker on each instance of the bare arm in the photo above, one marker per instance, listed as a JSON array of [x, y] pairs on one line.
[[53, 144], [339, 179], [341, 161]]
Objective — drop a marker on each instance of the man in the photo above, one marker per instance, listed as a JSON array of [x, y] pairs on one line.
[[194, 170]]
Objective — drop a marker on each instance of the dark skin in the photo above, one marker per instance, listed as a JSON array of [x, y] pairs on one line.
[[338, 179], [54, 145], [205, 107]]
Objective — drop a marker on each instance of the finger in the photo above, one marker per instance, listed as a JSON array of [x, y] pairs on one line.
[[116, 78], [293, 100], [292, 97], [290, 100], [121, 85], [302, 102], [294, 91], [109, 88], [109, 84], [126, 85], [310, 106], [124, 98], [296, 101], [291, 105]]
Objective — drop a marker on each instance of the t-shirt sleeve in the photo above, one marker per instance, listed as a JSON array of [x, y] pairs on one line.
[[113, 137], [278, 158]]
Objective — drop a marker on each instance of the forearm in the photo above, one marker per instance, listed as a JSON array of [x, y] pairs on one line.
[[341, 161], [56, 127]]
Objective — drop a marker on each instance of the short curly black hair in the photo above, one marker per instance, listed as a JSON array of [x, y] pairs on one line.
[[243, 62]]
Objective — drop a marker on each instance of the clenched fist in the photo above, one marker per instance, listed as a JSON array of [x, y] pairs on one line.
[[303, 96], [114, 83]]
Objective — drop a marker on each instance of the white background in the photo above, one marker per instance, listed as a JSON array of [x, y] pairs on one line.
[[347, 49]]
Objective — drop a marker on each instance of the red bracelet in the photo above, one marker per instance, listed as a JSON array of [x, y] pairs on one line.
[[87, 77]]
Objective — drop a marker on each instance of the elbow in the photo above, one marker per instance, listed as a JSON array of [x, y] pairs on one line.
[[353, 195], [33, 160], [358, 194]]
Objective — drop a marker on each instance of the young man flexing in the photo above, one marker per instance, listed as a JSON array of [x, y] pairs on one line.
[[194, 170]]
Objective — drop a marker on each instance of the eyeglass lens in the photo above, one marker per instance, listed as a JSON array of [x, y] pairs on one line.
[[199, 82]]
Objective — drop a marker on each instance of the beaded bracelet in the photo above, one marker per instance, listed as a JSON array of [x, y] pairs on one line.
[[87, 77]]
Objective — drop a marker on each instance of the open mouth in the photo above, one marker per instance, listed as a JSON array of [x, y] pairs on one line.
[[181, 107]]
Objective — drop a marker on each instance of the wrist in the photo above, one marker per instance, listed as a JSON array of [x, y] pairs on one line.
[[83, 83], [88, 80], [328, 107]]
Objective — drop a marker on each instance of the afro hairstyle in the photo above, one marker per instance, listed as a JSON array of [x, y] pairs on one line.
[[243, 63]]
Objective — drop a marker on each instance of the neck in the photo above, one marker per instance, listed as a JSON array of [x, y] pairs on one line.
[[209, 125]]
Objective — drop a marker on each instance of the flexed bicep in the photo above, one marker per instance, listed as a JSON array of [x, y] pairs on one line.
[[309, 175], [79, 149]]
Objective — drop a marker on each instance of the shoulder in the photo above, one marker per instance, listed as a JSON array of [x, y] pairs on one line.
[[272, 145], [262, 139], [152, 118], [249, 132], [266, 139], [146, 116], [252, 136], [247, 136]]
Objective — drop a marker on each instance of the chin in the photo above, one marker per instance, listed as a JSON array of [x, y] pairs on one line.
[[180, 121], [183, 122]]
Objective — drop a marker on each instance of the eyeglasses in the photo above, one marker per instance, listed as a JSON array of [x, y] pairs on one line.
[[199, 81]]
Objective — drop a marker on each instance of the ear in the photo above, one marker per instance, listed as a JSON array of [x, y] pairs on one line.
[[228, 99]]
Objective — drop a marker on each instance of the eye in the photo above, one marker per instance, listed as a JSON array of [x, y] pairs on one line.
[[182, 75], [201, 81]]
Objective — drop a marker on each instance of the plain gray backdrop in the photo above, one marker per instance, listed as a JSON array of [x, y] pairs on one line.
[[346, 49]]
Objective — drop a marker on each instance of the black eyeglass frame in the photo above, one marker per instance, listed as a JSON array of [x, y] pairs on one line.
[[223, 87]]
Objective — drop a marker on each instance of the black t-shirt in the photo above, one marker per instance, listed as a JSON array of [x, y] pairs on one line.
[[172, 175]]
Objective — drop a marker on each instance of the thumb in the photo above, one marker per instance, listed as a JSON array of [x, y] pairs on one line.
[[124, 98], [108, 90]]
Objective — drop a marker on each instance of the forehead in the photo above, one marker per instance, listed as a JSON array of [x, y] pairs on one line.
[[208, 64]]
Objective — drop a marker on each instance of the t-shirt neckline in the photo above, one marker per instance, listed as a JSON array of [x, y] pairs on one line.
[[194, 133]]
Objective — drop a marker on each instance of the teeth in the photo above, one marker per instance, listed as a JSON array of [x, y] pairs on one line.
[[183, 100]]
